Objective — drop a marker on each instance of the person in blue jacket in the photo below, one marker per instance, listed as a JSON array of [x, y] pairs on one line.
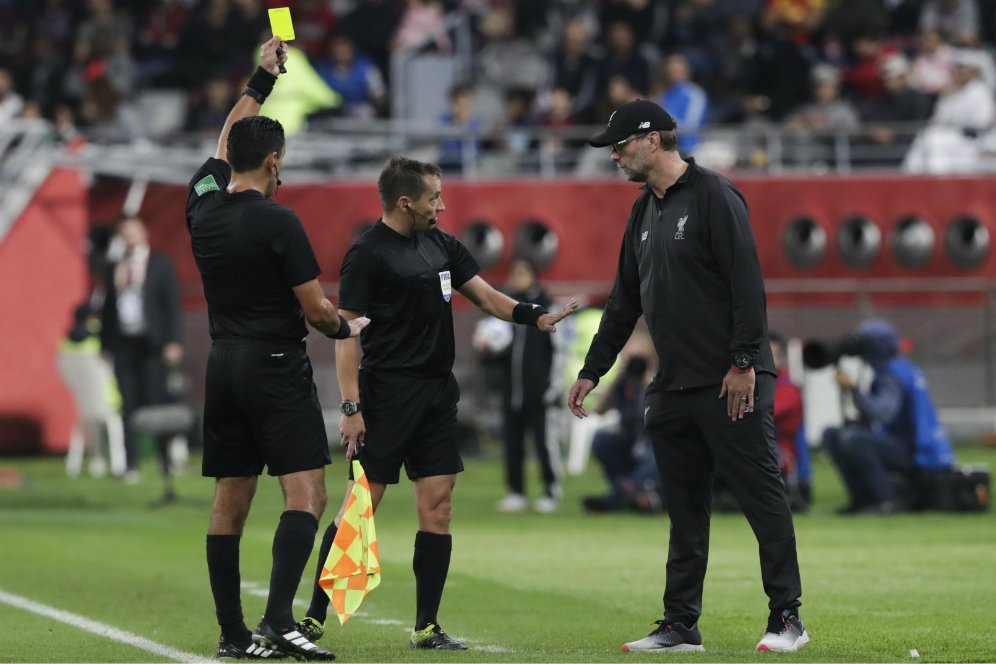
[[898, 432]]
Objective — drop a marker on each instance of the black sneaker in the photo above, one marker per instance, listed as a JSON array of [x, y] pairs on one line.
[[668, 637], [311, 628], [228, 650], [290, 642], [785, 633], [433, 636]]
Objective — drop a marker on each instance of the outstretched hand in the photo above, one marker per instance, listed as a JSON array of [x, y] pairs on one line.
[[357, 324], [273, 55], [548, 322]]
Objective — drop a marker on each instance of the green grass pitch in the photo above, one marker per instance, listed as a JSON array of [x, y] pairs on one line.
[[566, 587]]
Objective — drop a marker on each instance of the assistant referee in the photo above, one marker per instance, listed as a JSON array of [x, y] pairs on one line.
[[401, 407], [260, 407]]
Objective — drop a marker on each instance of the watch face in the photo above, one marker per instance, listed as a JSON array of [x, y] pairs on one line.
[[348, 407], [742, 360]]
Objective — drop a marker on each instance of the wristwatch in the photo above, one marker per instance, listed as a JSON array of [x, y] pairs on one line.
[[743, 362], [348, 407]]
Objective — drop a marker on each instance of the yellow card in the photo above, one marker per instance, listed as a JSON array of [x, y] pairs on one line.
[[281, 24]]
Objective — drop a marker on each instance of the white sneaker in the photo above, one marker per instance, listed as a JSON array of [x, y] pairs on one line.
[[545, 505], [668, 637], [513, 502], [786, 633], [98, 467]]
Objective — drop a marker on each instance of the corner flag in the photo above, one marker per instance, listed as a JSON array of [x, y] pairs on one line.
[[352, 568]]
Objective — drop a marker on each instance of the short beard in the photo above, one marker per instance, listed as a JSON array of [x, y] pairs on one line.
[[637, 176]]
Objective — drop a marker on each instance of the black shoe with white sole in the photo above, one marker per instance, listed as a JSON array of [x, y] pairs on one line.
[[229, 650], [785, 633], [290, 642], [668, 637]]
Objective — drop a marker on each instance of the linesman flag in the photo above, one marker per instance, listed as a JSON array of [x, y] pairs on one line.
[[352, 568]]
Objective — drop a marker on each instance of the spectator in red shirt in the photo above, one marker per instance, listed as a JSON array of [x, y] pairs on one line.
[[788, 409], [864, 77]]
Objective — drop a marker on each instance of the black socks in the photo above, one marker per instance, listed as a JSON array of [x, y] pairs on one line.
[[292, 544], [223, 571], [431, 562], [319, 598]]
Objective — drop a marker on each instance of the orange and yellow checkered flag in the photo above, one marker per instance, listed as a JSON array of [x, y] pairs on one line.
[[353, 567]]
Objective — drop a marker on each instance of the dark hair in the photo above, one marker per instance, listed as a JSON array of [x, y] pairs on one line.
[[460, 89], [403, 177], [636, 367], [251, 140], [669, 140]]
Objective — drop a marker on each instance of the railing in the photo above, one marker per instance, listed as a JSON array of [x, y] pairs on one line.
[[26, 158], [357, 149]]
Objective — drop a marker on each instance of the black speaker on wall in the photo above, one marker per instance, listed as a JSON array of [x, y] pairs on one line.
[[859, 241]]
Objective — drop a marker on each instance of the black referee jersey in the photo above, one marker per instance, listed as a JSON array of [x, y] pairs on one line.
[[251, 253], [405, 285]]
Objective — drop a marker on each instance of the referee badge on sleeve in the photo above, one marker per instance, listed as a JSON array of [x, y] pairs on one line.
[[206, 184], [445, 285]]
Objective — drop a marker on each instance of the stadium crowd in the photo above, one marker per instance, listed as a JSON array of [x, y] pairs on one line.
[[814, 65]]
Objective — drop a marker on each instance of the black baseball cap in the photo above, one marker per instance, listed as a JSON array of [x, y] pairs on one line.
[[633, 117]]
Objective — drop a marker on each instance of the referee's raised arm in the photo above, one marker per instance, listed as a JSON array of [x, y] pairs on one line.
[[272, 56], [261, 407]]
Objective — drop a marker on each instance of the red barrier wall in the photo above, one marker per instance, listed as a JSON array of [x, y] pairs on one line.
[[42, 278], [588, 218], [42, 270], [831, 200]]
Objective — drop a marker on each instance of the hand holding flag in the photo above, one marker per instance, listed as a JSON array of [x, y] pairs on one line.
[[352, 568]]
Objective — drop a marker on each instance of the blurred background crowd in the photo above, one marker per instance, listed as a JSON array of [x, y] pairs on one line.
[[112, 69]]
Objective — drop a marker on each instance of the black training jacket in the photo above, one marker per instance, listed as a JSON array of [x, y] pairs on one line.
[[689, 265]]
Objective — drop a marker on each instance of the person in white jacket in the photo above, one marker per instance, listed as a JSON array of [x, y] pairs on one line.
[[965, 111]]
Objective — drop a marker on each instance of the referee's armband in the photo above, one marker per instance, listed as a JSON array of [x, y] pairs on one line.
[[525, 313], [343, 332]]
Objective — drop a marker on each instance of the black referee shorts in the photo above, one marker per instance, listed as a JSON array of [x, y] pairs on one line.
[[261, 409], [410, 421]]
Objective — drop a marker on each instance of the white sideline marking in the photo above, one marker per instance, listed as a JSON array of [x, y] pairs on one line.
[[100, 629]]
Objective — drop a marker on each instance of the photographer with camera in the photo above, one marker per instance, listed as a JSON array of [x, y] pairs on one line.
[[898, 430]]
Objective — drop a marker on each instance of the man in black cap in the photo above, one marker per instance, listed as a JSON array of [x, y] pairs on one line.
[[689, 265]]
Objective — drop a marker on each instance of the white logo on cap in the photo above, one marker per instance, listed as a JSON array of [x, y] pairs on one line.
[[612, 116], [644, 125]]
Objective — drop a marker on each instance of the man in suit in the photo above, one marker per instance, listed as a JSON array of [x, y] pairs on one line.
[[140, 327]]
